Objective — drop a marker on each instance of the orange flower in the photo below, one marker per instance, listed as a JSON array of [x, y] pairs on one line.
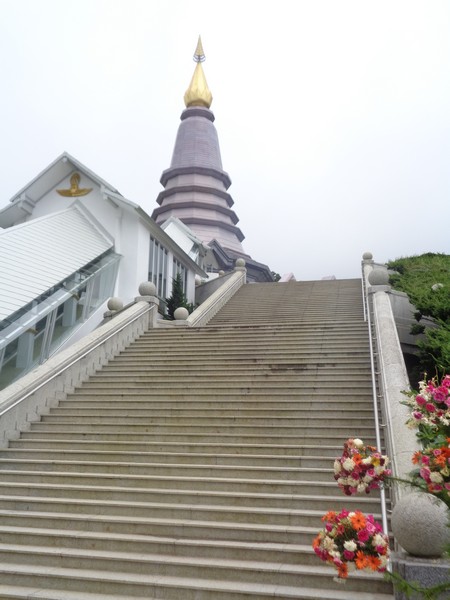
[[373, 562], [358, 520], [416, 457], [343, 571], [361, 560], [440, 460], [316, 541], [357, 458], [329, 516]]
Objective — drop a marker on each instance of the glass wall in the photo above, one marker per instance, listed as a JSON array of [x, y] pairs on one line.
[[157, 267], [38, 330]]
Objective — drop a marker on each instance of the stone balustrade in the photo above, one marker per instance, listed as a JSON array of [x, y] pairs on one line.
[[33, 395]]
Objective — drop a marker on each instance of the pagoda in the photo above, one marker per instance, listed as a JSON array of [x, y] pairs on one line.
[[195, 185]]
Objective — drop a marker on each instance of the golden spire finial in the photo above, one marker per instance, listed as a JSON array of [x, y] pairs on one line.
[[198, 93]]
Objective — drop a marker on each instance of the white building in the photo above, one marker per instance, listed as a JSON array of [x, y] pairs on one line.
[[68, 242]]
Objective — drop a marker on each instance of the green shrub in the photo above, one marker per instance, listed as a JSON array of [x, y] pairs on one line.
[[178, 298]]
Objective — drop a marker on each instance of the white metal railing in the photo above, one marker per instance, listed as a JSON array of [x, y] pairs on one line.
[[368, 319]]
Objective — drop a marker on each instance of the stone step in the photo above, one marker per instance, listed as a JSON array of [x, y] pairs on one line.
[[205, 438], [272, 376], [164, 510], [299, 501], [316, 397], [313, 354], [63, 581], [252, 345], [255, 338], [215, 410], [139, 399], [147, 418], [339, 370], [130, 563], [69, 453], [169, 527], [288, 360], [218, 471], [198, 483], [304, 431], [210, 415], [30, 441], [244, 388], [220, 549]]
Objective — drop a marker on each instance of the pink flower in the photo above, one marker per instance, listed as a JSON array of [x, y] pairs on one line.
[[439, 396], [446, 382], [420, 400], [363, 535], [425, 459], [370, 527], [417, 415], [430, 407], [349, 555], [425, 474]]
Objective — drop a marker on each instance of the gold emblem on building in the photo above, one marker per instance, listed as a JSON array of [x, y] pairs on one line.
[[74, 189]]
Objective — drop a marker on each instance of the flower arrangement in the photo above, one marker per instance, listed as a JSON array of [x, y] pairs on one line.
[[431, 406], [434, 468], [352, 539], [360, 468]]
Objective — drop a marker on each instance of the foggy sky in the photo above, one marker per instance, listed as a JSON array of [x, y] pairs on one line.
[[333, 115]]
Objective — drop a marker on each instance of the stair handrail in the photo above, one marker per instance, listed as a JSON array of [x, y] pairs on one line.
[[366, 268], [211, 306]]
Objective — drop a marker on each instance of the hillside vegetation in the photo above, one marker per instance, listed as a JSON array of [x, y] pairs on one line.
[[426, 280]]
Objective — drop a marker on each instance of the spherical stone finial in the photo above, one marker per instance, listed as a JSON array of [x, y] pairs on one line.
[[221, 273], [198, 280], [379, 276], [114, 303], [240, 262], [419, 523], [367, 256], [181, 313], [147, 288]]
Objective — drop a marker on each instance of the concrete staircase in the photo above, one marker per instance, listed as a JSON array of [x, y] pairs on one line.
[[198, 464]]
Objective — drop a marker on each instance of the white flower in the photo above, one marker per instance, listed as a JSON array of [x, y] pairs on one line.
[[436, 477], [348, 464], [352, 482], [361, 487], [379, 469], [328, 543], [350, 545], [337, 466], [358, 443], [378, 540], [383, 560], [367, 461]]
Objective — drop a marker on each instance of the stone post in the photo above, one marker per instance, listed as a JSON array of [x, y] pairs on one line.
[[147, 291]]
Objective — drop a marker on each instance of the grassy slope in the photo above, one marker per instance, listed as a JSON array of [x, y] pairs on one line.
[[416, 275]]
